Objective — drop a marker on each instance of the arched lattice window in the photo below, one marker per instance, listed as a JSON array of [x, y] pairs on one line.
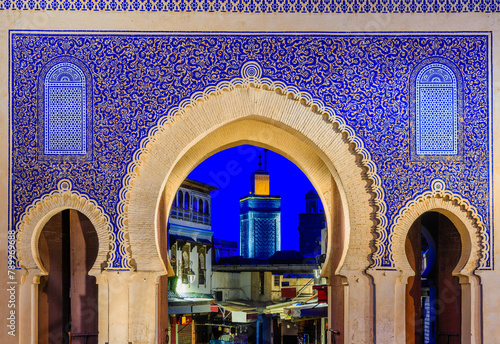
[[173, 259], [65, 110], [436, 120], [185, 264], [207, 211], [201, 267], [186, 200]]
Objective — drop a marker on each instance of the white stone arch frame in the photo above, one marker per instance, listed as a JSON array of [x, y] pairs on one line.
[[470, 226], [157, 165], [331, 155], [232, 100], [39, 213]]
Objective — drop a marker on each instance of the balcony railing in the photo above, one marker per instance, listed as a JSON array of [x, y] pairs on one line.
[[189, 215]]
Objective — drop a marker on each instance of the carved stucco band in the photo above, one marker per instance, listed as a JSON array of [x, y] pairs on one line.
[[252, 79], [475, 248], [42, 209]]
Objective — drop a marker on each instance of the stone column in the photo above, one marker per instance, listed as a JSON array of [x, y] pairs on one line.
[[128, 307], [386, 325], [471, 310], [102, 306], [117, 316], [400, 307], [490, 282], [358, 308], [26, 308], [143, 307]]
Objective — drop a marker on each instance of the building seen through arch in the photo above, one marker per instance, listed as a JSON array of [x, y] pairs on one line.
[[190, 249], [245, 296]]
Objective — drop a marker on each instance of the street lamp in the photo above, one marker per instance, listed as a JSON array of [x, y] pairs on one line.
[[317, 273], [191, 275]]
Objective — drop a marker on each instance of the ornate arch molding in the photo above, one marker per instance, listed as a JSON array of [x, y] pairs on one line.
[[463, 215], [41, 210], [251, 78]]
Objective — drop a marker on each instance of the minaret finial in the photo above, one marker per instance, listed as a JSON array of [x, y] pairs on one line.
[[260, 163]]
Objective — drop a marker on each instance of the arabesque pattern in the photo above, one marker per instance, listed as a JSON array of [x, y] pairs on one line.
[[141, 82]]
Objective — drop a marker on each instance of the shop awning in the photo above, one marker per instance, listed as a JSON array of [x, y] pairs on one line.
[[204, 242], [308, 310], [280, 307], [241, 311], [173, 238], [189, 305], [193, 309]]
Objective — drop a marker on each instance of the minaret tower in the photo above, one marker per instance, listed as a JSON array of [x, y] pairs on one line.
[[311, 223], [260, 217]]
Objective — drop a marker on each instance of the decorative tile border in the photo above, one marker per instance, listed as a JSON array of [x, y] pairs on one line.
[[259, 6]]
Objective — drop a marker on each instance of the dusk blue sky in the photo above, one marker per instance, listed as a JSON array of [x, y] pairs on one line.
[[230, 171]]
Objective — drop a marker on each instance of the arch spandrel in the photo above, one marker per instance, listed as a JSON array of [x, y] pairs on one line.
[[327, 136], [39, 213]]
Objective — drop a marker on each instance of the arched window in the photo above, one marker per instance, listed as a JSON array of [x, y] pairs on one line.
[[200, 208], [436, 118], [180, 199], [195, 204], [185, 264], [201, 266], [186, 200], [65, 110], [173, 259], [207, 211]]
